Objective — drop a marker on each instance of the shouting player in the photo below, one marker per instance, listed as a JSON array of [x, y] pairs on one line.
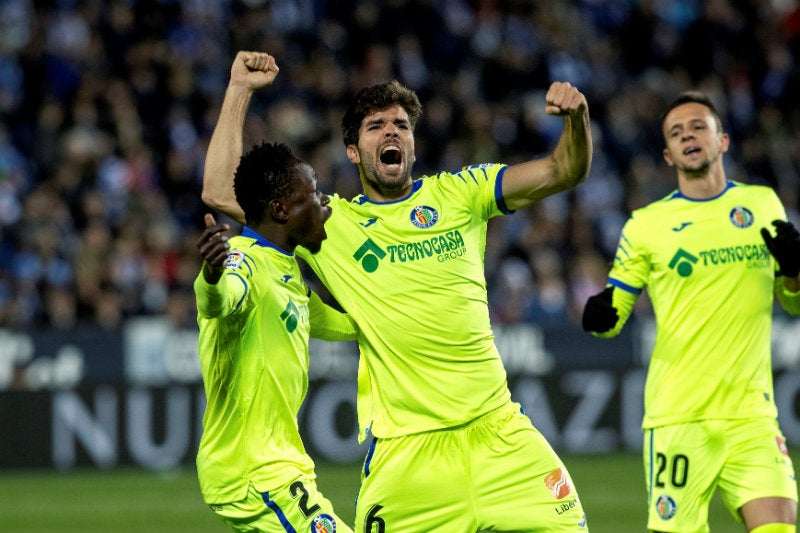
[[256, 314], [450, 452]]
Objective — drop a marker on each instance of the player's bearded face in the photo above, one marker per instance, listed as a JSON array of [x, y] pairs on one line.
[[386, 151]]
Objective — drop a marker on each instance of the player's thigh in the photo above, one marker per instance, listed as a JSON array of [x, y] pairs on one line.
[[298, 506], [758, 466], [682, 464], [415, 484], [520, 482]]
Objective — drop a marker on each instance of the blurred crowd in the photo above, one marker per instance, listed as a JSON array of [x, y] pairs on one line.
[[107, 106]]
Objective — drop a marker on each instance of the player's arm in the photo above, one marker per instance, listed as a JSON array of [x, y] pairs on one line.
[[250, 71], [567, 166], [328, 323], [785, 248], [215, 296], [606, 312]]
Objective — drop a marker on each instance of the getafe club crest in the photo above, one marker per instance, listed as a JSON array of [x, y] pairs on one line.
[[323, 523], [424, 217], [741, 217], [666, 507]]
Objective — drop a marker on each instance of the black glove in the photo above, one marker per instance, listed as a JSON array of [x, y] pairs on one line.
[[784, 247], [599, 315]]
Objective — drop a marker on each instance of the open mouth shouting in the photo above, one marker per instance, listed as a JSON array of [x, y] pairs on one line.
[[391, 157]]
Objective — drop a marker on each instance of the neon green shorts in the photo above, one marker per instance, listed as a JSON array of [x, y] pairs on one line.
[[685, 463], [295, 508], [497, 473]]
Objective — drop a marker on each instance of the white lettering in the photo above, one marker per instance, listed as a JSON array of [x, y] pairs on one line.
[[522, 349], [595, 388], [140, 439], [72, 422], [15, 351]]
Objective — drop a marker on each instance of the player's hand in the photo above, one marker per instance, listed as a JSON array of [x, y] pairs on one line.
[[564, 99], [784, 247], [599, 315], [253, 70], [214, 248]]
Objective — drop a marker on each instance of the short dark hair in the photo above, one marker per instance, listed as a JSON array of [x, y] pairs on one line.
[[377, 98], [264, 174], [697, 97]]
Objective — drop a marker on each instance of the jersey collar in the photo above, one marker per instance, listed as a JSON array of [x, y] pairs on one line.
[[679, 195], [362, 199], [262, 241]]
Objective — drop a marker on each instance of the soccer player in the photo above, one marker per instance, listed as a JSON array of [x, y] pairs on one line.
[[705, 255], [255, 314], [450, 451]]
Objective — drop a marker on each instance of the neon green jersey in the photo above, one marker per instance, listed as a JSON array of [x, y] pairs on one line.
[[411, 274], [711, 281], [254, 330]]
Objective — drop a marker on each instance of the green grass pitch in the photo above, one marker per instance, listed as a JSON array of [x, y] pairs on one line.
[[136, 501]]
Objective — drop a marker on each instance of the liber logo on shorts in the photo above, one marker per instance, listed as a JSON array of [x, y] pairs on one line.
[[782, 445], [424, 217], [666, 507], [558, 483], [323, 523]]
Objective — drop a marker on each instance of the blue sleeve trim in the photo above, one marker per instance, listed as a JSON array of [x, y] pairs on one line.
[[624, 286], [498, 192], [246, 290]]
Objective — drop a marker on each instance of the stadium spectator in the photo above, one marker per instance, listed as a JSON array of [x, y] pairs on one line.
[[117, 98]]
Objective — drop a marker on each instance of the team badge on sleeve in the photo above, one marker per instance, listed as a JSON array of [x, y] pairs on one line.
[[234, 260], [424, 217]]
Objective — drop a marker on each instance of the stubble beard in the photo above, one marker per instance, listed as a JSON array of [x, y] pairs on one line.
[[393, 186], [698, 170]]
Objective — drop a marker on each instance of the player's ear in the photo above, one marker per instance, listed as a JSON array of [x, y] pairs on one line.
[[725, 142], [668, 157], [352, 154], [279, 210]]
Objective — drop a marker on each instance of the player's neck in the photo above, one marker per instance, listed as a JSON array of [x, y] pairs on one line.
[[385, 194], [277, 235], [708, 185]]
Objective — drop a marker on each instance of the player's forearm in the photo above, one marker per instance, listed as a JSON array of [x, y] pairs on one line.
[[624, 302], [568, 165], [210, 297], [573, 153], [787, 290], [224, 153]]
